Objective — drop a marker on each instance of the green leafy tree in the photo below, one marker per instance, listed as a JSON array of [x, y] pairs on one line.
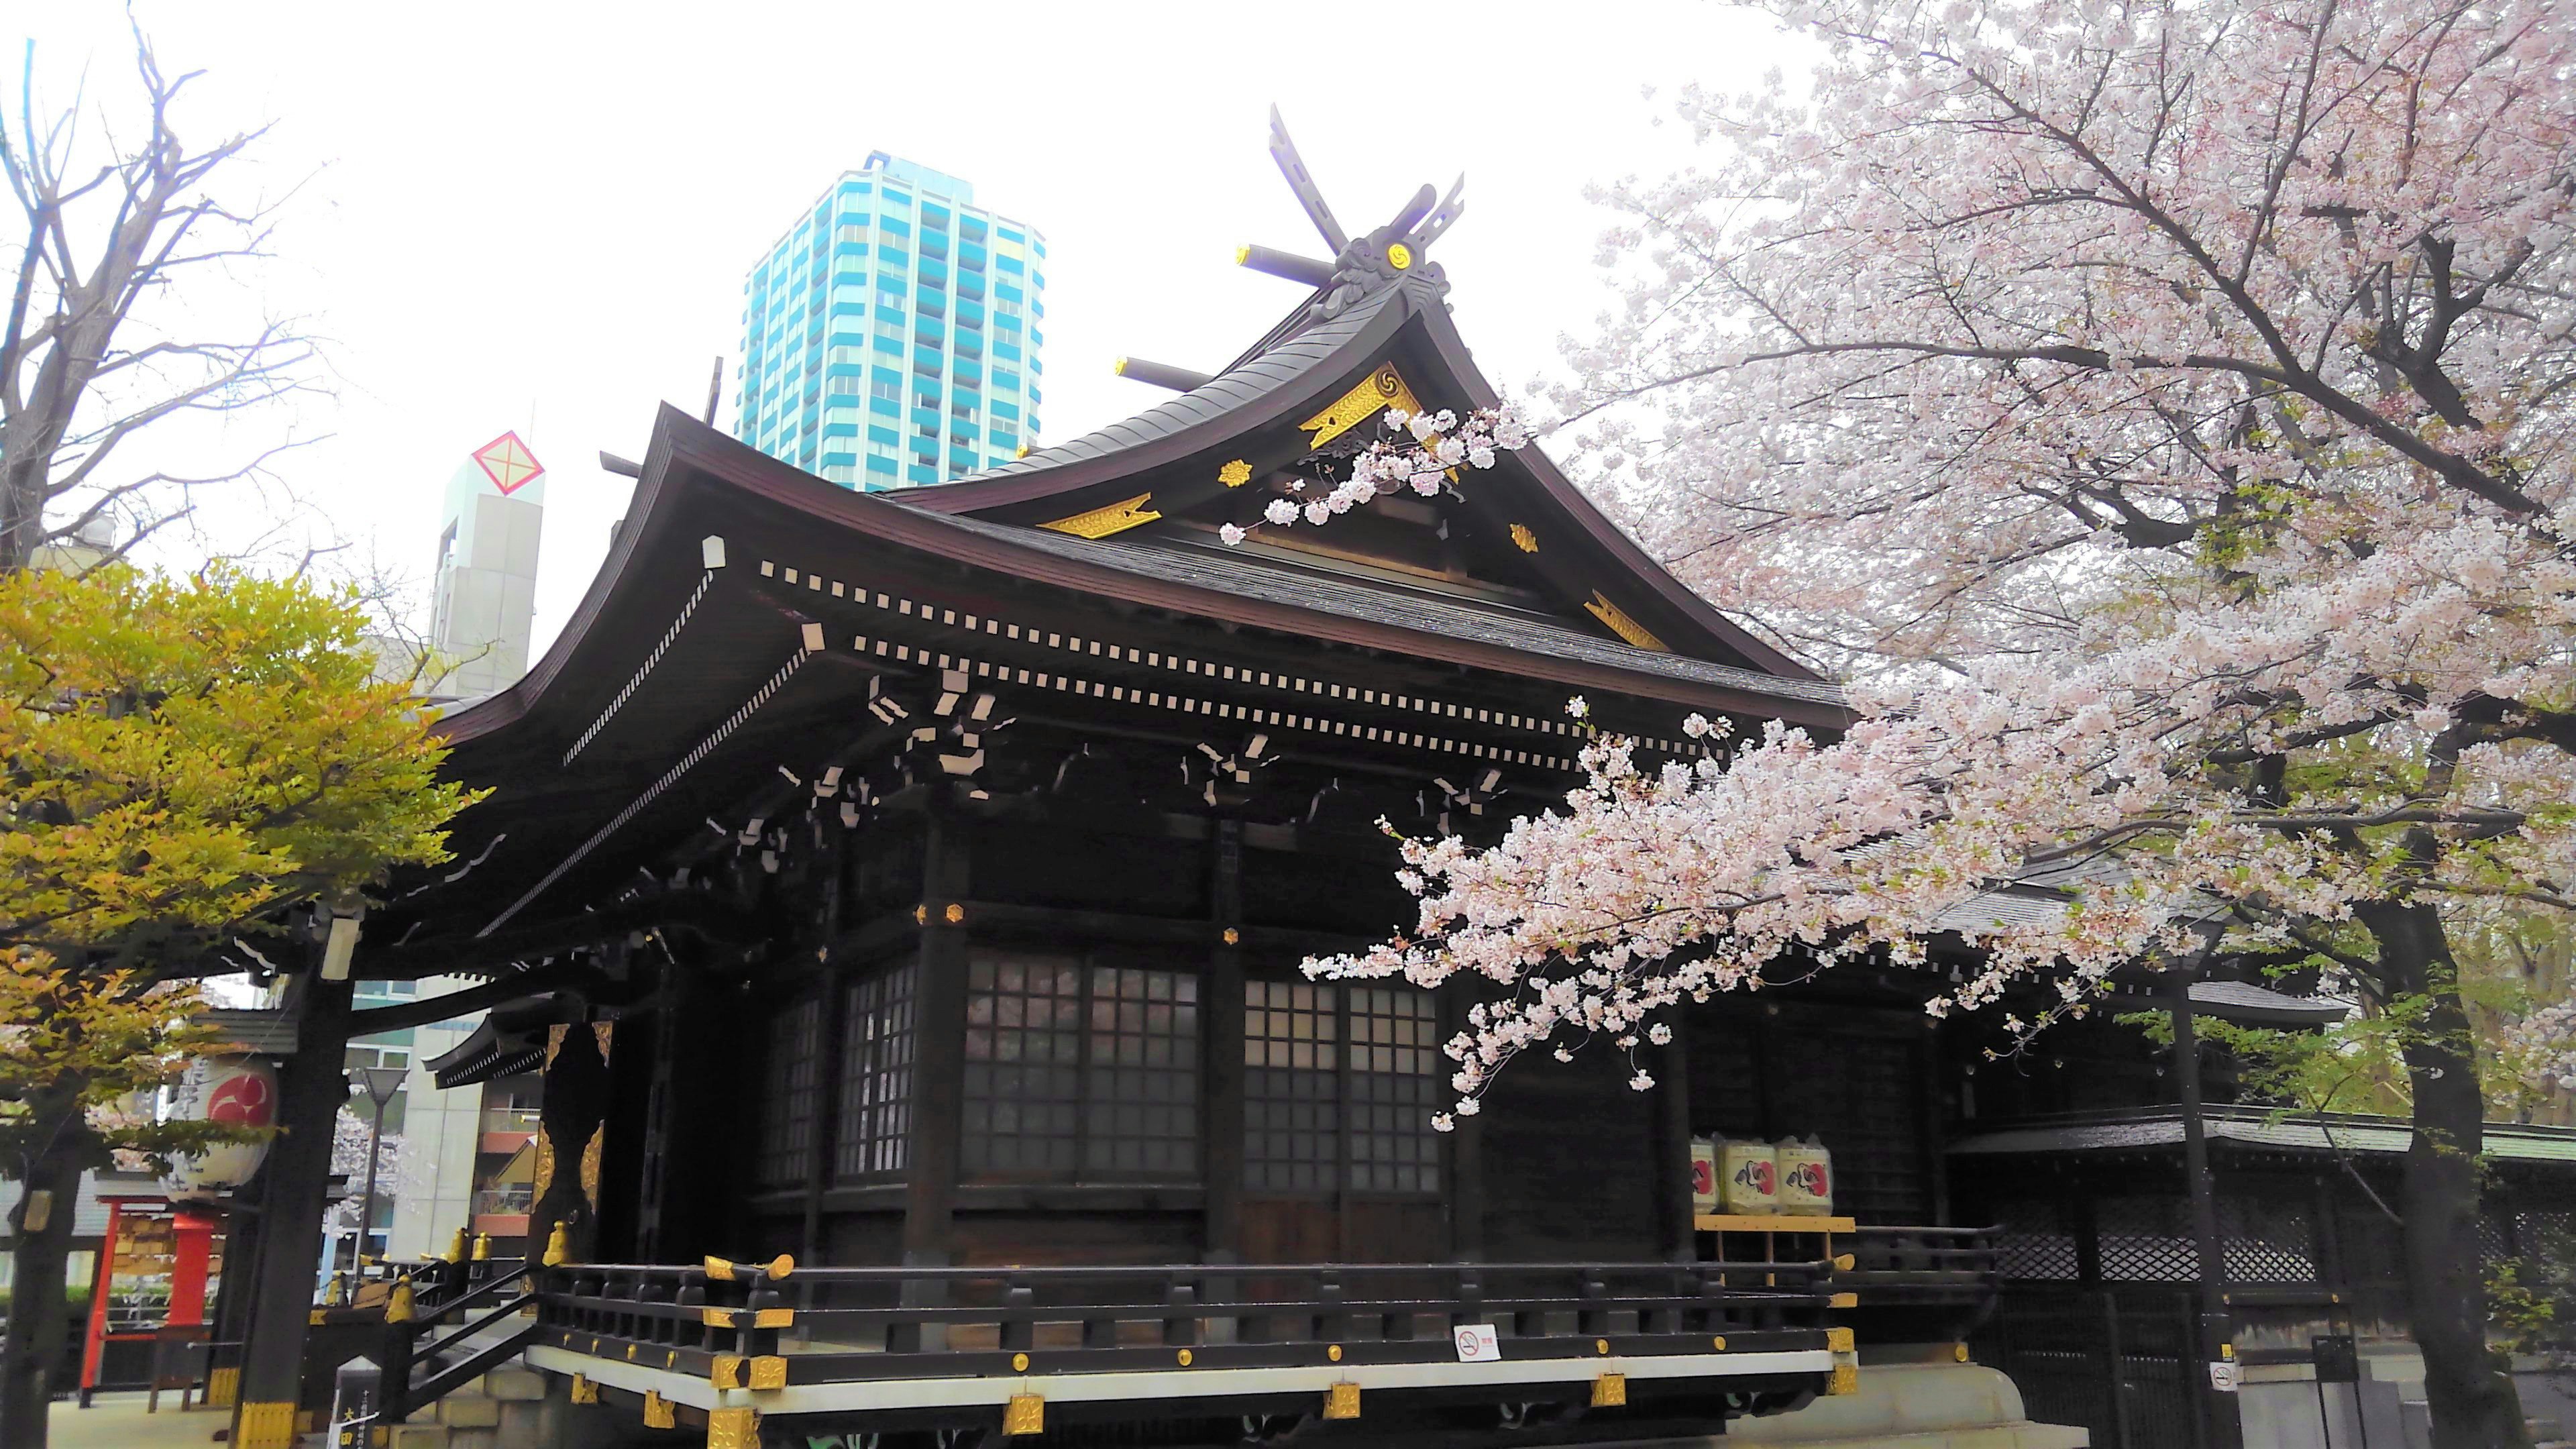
[[183, 761]]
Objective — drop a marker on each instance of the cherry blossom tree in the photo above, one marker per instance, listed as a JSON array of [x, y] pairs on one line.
[[2161, 414]]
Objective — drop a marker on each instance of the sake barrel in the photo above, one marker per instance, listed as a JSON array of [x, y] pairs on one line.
[[1806, 1176], [1748, 1177], [1703, 1165]]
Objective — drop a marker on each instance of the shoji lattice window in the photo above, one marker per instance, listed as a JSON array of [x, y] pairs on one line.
[[1339, 1087], [1023, 1063], [1393, 1083], [1080, 1071], [876, 1076], [1292, 1058], [1140, 1079], [786, 1156]]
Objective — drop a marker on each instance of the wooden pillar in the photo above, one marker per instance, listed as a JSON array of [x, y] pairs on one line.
[[655, 1211], [1672, 1140], [1465, 1143], [1936, 1112], [193, 1240], [1221, 1028], [313, 1084], [830, 1036], [939, 1049], [2215, 1338], [233, 1295], [572, 1126]]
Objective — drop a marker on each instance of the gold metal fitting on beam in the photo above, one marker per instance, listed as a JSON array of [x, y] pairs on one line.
[[725, 1371], [657, 1411], [1342, 1401], [1610, 1391], [737, 1428], [584, 1391], [769, 1371], [1025, 1414], [267, 1426]]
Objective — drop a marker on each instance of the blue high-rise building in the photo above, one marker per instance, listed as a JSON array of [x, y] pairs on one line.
[[891, 336]]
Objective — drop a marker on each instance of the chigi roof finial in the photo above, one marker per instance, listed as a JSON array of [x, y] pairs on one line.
[[1364, 264]]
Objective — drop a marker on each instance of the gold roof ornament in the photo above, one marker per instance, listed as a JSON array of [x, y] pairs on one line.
[[1523, 539], [1101, 522], [1385, 388], [1235, 474], [1620, 624]]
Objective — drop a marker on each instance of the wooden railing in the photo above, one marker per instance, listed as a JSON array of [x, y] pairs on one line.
[[853, 1324], [1923, 1262]]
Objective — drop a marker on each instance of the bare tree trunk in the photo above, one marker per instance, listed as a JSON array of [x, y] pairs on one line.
[[2466, 1387], [33, 1349]]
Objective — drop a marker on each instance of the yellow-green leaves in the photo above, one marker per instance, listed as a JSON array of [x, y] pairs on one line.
[[179, 756]]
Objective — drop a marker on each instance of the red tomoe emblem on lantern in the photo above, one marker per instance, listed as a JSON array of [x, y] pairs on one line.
[[243, 1098]]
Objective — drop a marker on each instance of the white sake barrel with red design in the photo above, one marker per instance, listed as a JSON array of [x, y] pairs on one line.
[[1748, 1178], [1806, 1176]]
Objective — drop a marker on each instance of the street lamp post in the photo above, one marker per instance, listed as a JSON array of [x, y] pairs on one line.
[[381, 1083]]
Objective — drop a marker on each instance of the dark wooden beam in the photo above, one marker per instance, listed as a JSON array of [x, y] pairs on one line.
[[939, 1049], [313, 1084], [830, 1040], [1221, 1035], [695, 912], [578, 977], [1672, 1142], [1465, 1148]]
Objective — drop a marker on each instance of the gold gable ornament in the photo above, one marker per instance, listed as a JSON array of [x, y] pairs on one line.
[[1380, 390], [1620, 624], [1102, 522], [1235, 474]]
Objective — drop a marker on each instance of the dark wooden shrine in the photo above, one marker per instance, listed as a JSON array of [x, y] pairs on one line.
[[916, 885], [904, 897]]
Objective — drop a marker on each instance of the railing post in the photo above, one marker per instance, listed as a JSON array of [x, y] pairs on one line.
[[1018, 1332], [1529, 1323], [1330, 1323], [1594, 1317], [651, 1327], [1668, 1319], [904, 1336], [759, 1339], [393, 1397], [1180, 1314], [1471, 1299]]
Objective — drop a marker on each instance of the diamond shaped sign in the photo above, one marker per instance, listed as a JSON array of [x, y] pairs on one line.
[[508, 463]]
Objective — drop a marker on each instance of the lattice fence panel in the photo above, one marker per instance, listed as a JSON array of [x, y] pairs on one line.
[[2145, 1240], [2267, 1240], [2035, 1243]]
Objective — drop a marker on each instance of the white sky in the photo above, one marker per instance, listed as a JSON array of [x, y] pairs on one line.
[[538, 215]]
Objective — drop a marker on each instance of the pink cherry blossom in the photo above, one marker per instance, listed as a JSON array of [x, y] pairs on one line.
[[2160, 417]]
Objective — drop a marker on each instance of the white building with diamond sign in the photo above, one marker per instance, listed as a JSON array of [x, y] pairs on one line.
[[485, 605]]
